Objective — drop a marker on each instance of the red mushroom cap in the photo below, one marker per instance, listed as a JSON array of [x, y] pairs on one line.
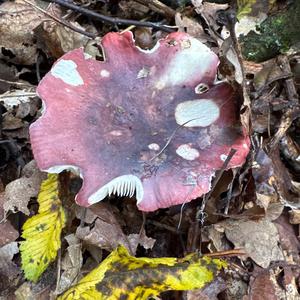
[[139, 122]]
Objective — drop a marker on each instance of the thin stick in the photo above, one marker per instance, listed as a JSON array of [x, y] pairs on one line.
[[62, 22], [159, 7], [111, 20], [200, 214]]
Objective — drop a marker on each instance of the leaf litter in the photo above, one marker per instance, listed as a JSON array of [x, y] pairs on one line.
[[252, 213]]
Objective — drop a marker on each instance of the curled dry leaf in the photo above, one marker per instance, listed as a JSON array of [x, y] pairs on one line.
[[71, 264], [273, 181], [259, 239], [8, 232], [209, 292], [17, 22], [107, 233], [18, 192], [135, 124], [8, 269], [59, 39]]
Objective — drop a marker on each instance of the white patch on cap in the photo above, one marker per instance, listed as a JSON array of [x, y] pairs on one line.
[[116, 132], [154, 147], [66, 71], [193, 61], [143, 73], [104, 73], [223, 157], [197, 113], [125, 185], [187, 152]]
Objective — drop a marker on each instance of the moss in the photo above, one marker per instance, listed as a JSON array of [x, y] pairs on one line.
[[275, 35]]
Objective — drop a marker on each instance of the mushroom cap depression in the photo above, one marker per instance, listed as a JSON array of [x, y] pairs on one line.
[[153, 124]]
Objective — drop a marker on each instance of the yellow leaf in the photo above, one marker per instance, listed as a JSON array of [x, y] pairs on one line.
[[42, 231], [121, 276], [246, 7]]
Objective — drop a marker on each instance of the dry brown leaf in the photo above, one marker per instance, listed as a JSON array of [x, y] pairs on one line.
[[18, 192], [8, 269], [11, 122], [259, 239], [17, 22], [191, 26], [58, 39], [104, 235], [8, 232], [71, 264], [272, 181], [261, 287], [140, 239], [209, 292], [294, 216], [106, 232], [289, 241]]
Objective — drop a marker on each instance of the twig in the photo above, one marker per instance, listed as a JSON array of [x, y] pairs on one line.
[[294, 111], [4, 96], [200, 214], [62, 22], [16, 83], [234, 252], [58, 270], [159, 7], [111, 20]]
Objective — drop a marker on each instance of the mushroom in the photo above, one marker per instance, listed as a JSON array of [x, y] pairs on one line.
[[153, 123]]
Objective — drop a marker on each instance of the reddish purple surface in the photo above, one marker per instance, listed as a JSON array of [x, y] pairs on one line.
[[105, 124]]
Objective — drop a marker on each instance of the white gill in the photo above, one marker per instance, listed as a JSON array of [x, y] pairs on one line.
[[126, 185]]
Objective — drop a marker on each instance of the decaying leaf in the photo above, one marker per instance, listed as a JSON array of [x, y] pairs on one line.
[[42, 231], [18, 19], [8, 269], [209, 292], [18, 192], [71, 264], [106, 232], [253, 7], [121, 276], [8, 232], [259, 239], [272, 181]]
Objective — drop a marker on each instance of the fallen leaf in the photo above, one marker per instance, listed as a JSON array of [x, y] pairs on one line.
[[17, 22], [8, 269], [121, 276], [191, 26], [106, 231], [289, 241], [272, 181], [294, 216], [8, 232], [42, 231], [140, 239], [209, 292], [253, 7], [71, 264], [57, 39], [259, 239], [19, 192]]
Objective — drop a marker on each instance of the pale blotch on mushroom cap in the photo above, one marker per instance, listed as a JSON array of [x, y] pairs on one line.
[[131, 132]]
